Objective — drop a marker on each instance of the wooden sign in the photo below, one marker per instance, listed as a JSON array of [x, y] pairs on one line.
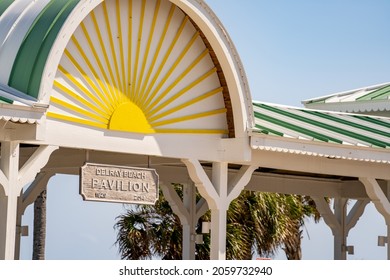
[[121, 184]]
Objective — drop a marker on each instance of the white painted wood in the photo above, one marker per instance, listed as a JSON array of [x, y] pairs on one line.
[[20, 132], [184, 213], [339, 221], [34, 164], [189, 201], [8, 208], [240, 180], [82, 9], [9, 164], [218, 234], [356, 212], [217, 197], [3, 182], [188, 212], [68, 161], [219, 179], [202, 147], [305, 185], [320, 164], [340, 239], [215, 193], [13, 182], [175, 203], [188, 243], [202, 182], [35, 188], [378, 197], [229, 59], [319, 149], [218, 216], [381, 200], [327, 215], [201, 208]]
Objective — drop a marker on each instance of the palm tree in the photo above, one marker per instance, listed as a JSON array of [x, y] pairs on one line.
[[39, 238], [300, 207], [257, 223], [146, 231]]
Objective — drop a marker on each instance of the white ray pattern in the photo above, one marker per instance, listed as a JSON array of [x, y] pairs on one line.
[[139, 66]]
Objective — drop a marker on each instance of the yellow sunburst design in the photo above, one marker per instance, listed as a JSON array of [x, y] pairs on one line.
[[120, 119], [138, 66]]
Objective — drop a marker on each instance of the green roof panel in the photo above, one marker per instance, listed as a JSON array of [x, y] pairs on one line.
[[4, 4], [31, 58], [381, 93], [325, 126]]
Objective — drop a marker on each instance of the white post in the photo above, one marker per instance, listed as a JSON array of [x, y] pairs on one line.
[[218, 214], [18, 229], [380, 200], [340, 238], [188, 213], [187, 243], [9, 166], [189, 201], [339, 222], [218, 195], [12, 180]]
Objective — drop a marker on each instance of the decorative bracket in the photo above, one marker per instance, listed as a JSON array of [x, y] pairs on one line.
[[378, 197]]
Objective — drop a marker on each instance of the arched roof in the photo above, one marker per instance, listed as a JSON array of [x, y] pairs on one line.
[[83, 47]]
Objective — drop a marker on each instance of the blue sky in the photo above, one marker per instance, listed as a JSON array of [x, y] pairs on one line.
[[291, 51], [294, 50]]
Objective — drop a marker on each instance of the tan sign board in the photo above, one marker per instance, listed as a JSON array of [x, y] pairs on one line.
[[123, 184]]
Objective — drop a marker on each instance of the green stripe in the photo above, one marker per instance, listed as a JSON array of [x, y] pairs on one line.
[[381, 93], [266, 130], [4, 4], [31, 59], [366, 139], [374, 121], [352, 124], [296, 128], [316, 101], [5, 100]]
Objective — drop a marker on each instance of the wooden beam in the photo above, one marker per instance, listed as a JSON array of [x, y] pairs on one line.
[[320, 165]]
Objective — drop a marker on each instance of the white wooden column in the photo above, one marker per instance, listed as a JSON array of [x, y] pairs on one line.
[[9, 165], [19, 230], [340, 221], [12, 180], [218, 214], [218, 194], [189, 202], [340, 239], [188, 212], [381, 202]]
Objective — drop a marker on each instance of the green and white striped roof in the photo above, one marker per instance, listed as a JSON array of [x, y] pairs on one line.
[[28, 31], [322, 126], [372, 100]]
